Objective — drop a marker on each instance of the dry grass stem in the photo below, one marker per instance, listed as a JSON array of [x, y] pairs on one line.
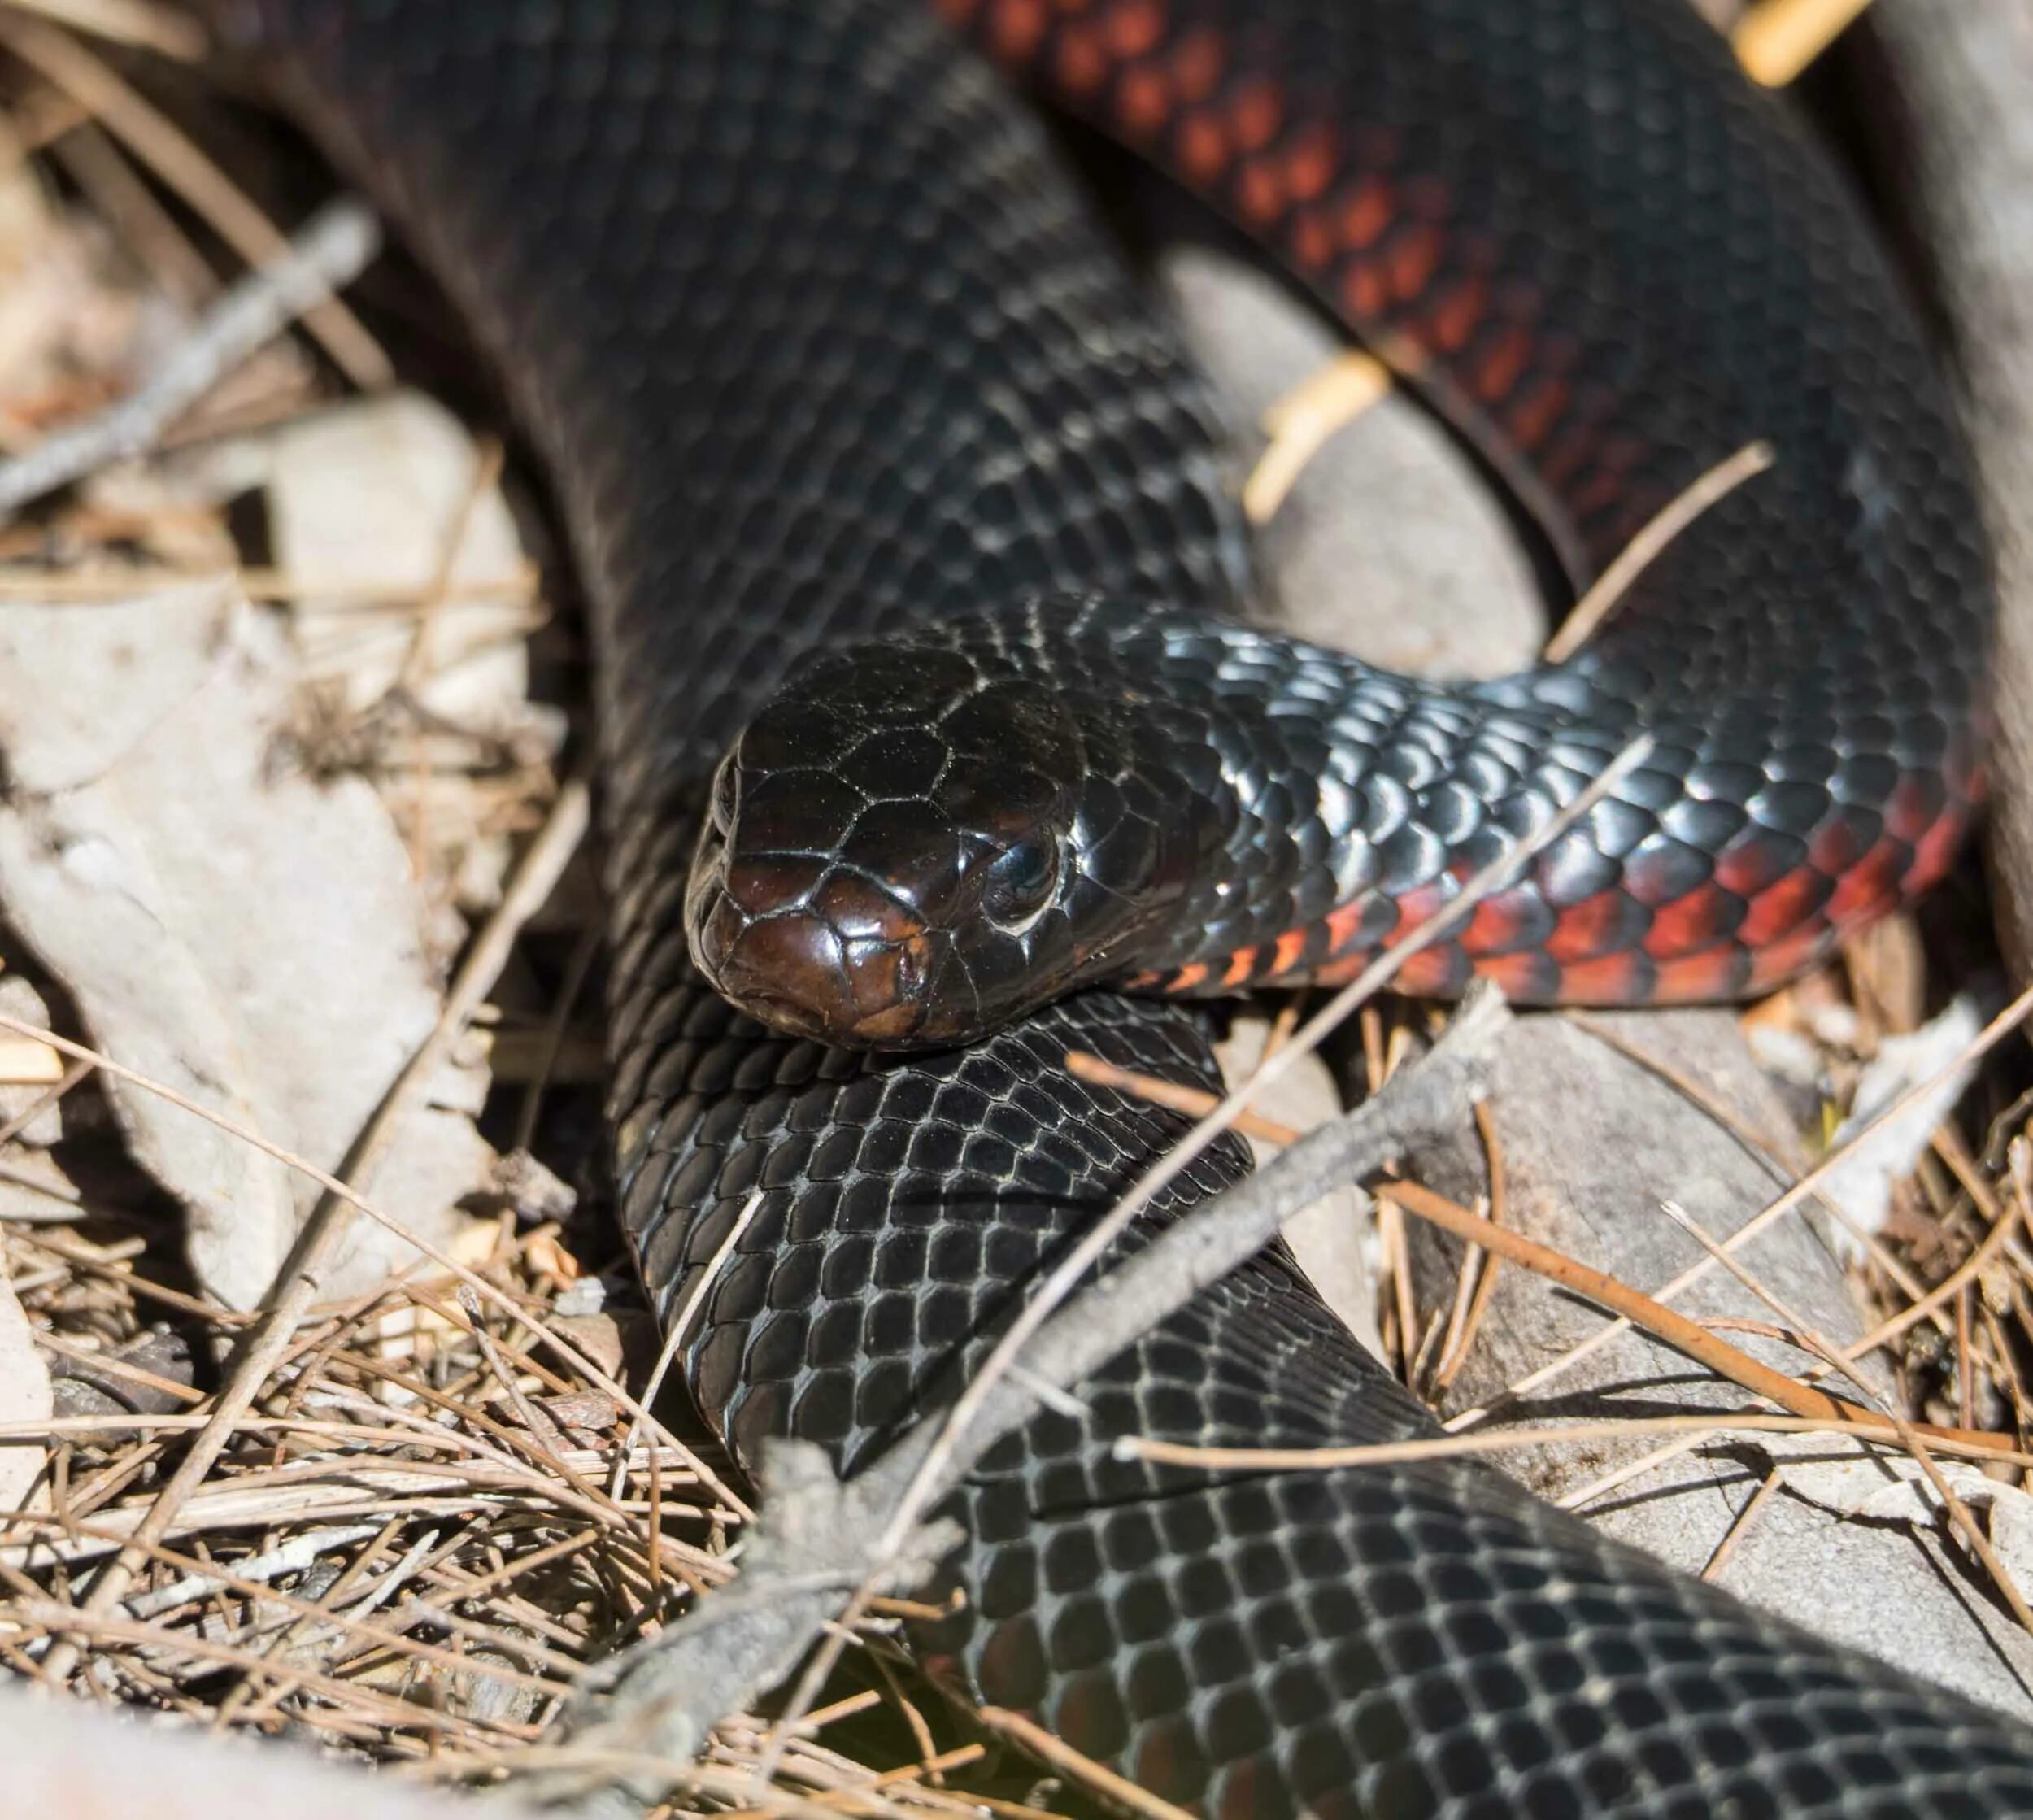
[[1988, 1038], [1607, 591], [1878, 1430], [1776, 40], [1461, 1342], [1300, 423], [1118, 1791], [144, 24], [1745, 1520], [168, 152]]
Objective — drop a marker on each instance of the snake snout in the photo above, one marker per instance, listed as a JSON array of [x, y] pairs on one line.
[[812, 952], [794, 972]]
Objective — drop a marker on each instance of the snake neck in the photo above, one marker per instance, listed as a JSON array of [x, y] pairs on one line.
[[1319, 805], [1220, 808]]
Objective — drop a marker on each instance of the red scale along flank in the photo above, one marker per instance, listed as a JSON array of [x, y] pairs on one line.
[[1375, 240], [1715, 973], [1609, 979], [1871, 884], [1456, 316], [1609, 922], [1772, 966], [1692, 922], [1522, 977], [1287, 951], [1530, 420], [1783, 907], [1498, 925]]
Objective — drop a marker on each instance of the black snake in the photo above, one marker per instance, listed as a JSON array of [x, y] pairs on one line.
[[817, 340]]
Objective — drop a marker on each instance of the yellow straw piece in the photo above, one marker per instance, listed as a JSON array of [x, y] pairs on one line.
[[1300, 423], [25, 1063], [1777, 39]]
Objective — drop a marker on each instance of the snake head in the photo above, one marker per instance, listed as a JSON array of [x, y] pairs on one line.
[[901, 849]]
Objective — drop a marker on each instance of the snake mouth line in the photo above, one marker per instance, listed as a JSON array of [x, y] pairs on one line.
[[780, 1014]]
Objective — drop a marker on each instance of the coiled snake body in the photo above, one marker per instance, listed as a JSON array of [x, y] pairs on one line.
[[816, 341]]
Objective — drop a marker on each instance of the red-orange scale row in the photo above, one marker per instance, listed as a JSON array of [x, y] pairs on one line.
[[1377, 241]]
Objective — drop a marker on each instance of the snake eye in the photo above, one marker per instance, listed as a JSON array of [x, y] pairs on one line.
[[1021, 882], [726, 797]]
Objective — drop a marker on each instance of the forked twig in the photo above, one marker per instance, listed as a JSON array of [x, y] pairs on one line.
[[820, 1543]]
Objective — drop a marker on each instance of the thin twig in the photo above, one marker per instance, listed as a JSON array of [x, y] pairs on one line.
[[1993, 1034], [1048, 1747], [139, 23], [1879, 1430], [169, 153], [1461, 1342], [49, 1097], [550, 1044], [105, 173], [1301, 423], [1712, 1571], [1608, 589], [680, 1322], [1175, 1096], [335, 245], [1778, 39]]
